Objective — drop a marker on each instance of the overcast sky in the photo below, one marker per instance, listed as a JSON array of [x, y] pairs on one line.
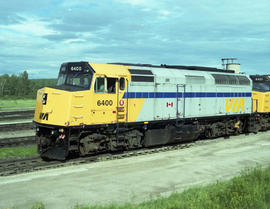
[[38, 36]]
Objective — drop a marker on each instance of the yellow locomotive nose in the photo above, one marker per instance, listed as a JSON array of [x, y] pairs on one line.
[[52, 106]]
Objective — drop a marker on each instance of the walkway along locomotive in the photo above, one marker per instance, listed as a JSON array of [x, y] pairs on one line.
[[107, 107]]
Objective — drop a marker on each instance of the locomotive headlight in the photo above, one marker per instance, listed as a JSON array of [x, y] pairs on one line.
[[44, 99]]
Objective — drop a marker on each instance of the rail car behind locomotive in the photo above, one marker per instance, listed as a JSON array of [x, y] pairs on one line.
[[261, 99], [106, 107]]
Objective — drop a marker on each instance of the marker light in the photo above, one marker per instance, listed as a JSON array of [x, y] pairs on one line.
[[44, 99], [61, 130]]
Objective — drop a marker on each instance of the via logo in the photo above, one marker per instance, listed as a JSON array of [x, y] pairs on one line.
[[44, 116], [235, 104]]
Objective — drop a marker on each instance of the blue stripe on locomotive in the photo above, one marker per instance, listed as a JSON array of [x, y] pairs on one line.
[[151, 95]]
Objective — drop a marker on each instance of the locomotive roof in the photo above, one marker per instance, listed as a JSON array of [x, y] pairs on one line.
[[178, 67], [110, 69], [121, 68]]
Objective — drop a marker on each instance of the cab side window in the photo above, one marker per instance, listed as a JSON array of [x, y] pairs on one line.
[[122, 84], [111, 85], [99, 85]]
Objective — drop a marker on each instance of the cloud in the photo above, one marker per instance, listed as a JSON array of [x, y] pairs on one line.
[[134, 2], [29, 26], [12, 11], [7, 19], [39, 36], [60, 37]]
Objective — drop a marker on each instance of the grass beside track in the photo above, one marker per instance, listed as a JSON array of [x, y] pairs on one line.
[[15, 152], [249, 190], [17, 104]]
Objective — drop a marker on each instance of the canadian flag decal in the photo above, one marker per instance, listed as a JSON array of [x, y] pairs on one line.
[[169, 104]]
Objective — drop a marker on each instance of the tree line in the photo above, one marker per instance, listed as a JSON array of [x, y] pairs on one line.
[[20, 86]]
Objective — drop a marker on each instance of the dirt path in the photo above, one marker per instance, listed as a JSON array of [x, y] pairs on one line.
[[136, 178]]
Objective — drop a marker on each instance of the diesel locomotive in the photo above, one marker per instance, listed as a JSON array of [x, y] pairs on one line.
[[119, 106]]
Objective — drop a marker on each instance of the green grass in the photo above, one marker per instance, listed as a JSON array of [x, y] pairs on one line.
[[17, 104], [9, 153], [38, 205], [250, 190]]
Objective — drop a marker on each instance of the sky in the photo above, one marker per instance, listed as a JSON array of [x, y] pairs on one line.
[[38, 36]]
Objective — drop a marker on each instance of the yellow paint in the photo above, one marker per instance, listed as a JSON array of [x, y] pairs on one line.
[[261, 102], [229, 104], [241, 105], [134, 108], [81, 107], [237, 124], [57, 107], [235, 104], [110, 70]]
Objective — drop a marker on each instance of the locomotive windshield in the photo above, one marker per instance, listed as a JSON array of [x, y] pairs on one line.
[[75, 76], [261, 86], [261, 83]]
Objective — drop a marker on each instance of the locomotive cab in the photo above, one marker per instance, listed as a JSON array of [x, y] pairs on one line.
[[86, 94], [53, 103], [54, 106], [261, 93]]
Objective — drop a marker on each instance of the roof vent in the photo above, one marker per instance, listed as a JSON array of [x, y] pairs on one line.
[[231, 64]]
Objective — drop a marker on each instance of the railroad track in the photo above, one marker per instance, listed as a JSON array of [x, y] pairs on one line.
[[16, 166], [11, 126], [14, 115], [11, 167], [17, 141]]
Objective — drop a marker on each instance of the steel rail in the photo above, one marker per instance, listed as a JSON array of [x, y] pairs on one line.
[[16, 126], [13, 115], [17, 141], [17, 166]]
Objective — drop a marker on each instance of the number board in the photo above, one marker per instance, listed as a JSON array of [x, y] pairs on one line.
[[76, 68]]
